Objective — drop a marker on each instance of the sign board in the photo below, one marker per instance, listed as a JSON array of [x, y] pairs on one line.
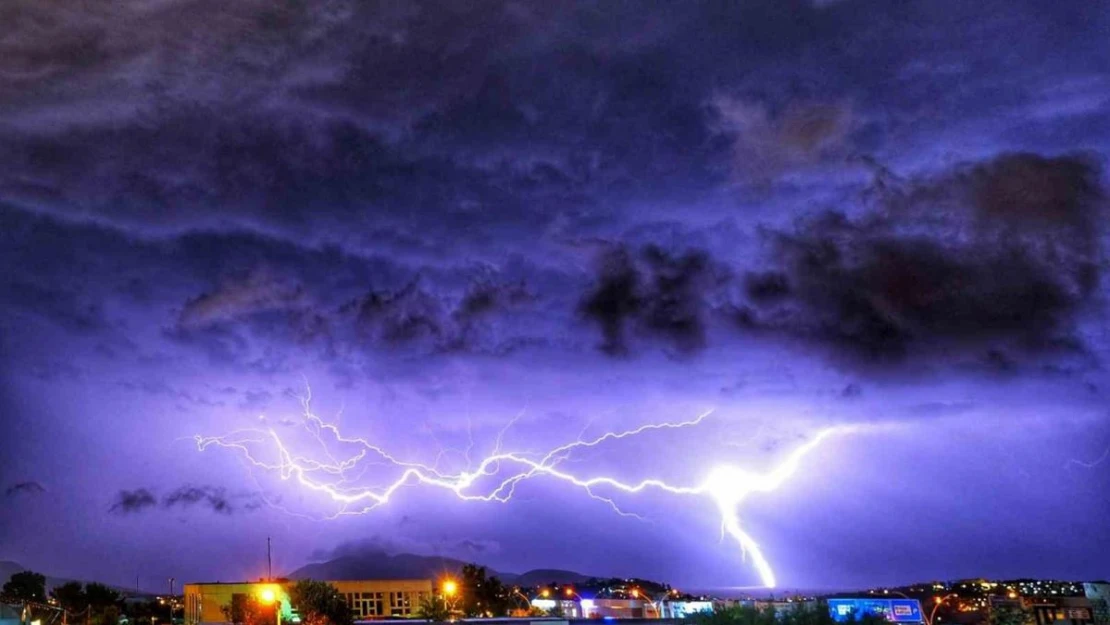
[[894, 610]]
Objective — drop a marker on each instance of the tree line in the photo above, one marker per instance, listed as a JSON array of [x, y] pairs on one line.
[[93, 603]]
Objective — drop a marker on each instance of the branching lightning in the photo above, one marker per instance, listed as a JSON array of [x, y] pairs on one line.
[[496, 477]]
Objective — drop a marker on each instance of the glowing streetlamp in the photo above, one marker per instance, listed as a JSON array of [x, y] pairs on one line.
[[450, 589], [545, 593], [269, 596]]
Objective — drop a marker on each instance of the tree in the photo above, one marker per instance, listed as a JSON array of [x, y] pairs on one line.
[[319, 602], [248, 610], [434, 608], [143, 612], [104, 603], [481, 595], [1008, 614], [26, 586], [71, 596], [101, 596]]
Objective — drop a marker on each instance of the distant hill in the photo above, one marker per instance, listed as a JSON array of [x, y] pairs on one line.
[[535, 577], [380, 565]]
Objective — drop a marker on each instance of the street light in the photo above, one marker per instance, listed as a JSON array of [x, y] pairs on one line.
[[635, 592], [527, 601], [939, 601], [570, 593], [269, 597], [450, 589]]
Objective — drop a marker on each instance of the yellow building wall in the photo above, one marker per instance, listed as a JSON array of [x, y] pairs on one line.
[[204, 602], [368, 599]]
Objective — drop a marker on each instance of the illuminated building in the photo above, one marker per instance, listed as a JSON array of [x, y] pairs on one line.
[[368, 599], [1062, 611], [621, 608]]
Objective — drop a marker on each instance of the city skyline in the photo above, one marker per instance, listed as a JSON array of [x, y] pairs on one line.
[[804, 294]]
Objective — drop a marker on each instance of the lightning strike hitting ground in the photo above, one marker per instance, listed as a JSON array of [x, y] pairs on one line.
[[337, 477]]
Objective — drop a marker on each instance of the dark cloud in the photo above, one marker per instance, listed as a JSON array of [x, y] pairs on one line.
[[211, 497], [851, 391], [948, 263], [128, 501], [71, 310], [214, 498], [406, 315], [24, 488], [766, 286], [652, 292], [417, 315]]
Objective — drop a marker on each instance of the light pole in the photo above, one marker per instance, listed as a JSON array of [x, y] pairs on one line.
[[938, 601], [527, 601], [636, 594], [570, 593], [171, 600]]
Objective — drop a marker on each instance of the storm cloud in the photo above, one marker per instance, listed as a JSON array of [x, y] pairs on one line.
[[24, 488], [214, 498], [130, 501], [996, 258], [651, 292]]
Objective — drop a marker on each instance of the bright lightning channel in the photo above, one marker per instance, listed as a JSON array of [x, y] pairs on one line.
[[726, 485]]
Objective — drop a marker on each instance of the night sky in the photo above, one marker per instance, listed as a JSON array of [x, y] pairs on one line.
[[442, 217]]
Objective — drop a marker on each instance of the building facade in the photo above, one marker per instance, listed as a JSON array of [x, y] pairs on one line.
[[368, 599]]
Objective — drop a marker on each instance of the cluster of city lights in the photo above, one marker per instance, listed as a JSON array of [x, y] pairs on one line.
[[495, 477]]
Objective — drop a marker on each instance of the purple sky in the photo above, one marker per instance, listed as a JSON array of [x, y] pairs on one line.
[[442, 216]]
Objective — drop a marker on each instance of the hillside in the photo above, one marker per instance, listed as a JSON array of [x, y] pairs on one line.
[[380, 565], [536, 577]]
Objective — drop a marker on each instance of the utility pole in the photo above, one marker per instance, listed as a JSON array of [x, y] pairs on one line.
[[171, 600], [269, 562]]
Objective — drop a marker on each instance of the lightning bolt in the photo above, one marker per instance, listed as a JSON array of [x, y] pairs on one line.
[[338, 475]]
